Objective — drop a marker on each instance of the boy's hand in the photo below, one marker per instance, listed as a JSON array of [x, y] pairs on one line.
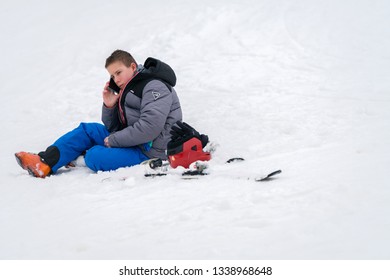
[[109, 98], [106, 142]]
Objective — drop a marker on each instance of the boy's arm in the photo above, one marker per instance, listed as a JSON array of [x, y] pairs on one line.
[[110, 115], [110, 118]]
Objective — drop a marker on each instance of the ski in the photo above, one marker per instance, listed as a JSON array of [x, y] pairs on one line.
[[158, 168]]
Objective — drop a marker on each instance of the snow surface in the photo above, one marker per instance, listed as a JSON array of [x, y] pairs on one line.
[[301, 86]]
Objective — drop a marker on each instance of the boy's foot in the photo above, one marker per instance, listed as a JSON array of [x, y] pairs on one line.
[[33, 164]]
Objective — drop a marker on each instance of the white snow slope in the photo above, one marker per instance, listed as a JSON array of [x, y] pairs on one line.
[[298, 85]]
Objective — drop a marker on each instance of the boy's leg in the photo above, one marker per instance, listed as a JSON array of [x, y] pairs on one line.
[[72, 144], [100, 158]]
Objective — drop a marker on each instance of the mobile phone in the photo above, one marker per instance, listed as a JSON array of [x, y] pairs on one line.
[[113, 87]]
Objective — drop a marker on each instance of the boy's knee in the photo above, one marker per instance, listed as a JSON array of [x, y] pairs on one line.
[[91, 126], [93, 158]]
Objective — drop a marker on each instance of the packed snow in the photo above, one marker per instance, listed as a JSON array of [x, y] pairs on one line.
[[301, 86]]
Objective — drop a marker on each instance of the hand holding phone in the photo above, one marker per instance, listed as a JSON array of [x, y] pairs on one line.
[[113, 87], [110, 96]]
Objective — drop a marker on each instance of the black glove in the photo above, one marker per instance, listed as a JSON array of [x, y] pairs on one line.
[[182, 132]]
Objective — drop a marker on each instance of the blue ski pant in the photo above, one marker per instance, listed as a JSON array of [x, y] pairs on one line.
[[88, 138]]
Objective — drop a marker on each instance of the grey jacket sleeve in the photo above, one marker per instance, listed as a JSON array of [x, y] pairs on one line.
[[110, 118], [155, 107]]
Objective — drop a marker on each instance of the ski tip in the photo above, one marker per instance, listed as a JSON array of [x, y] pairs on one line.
[[274, 173], [269, 176]]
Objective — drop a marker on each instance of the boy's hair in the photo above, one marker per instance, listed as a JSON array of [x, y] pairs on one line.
[[121, 56]]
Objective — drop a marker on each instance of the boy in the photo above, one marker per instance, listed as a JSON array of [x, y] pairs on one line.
[[136, 127]]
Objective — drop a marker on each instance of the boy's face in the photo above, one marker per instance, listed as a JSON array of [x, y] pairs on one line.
[[121, 73]]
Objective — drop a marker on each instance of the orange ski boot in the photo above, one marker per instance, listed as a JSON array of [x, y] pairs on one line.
[[33, 164]]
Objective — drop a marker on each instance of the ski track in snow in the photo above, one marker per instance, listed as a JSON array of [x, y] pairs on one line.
[[298, 86]]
